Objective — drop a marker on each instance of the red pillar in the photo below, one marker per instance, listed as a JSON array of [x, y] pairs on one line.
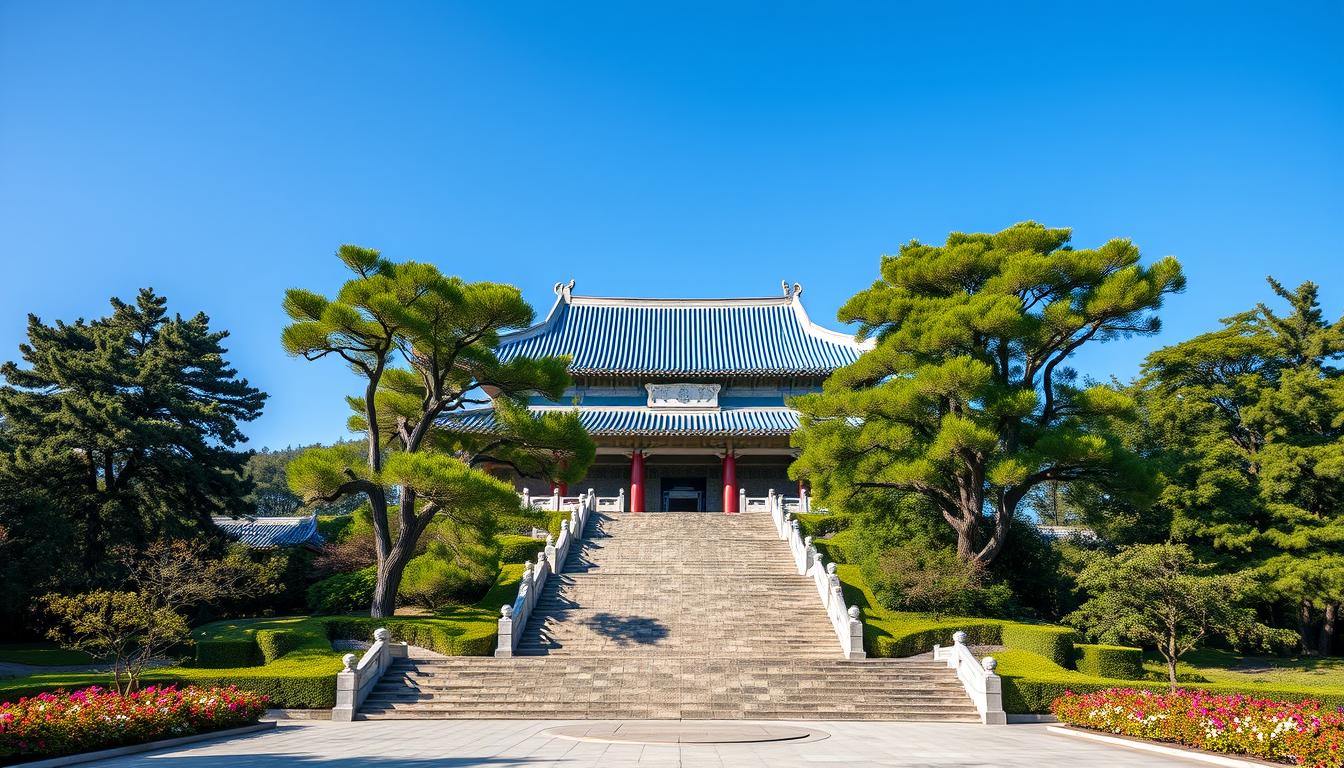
[[561, 488], [729, 483], [637, 481]]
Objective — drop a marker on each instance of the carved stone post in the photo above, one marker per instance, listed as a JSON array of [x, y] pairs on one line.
[[504, 648], [620, 500], [994, 714], [527, 499], [855, 649], [346, 685], [549, 552]]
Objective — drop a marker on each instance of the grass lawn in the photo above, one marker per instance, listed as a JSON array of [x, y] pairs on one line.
[[43, 655], [304, 676], [1226, 667]]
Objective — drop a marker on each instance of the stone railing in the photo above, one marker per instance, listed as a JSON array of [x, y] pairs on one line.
[[358, 678], [844, 618], [795, 504], [982, 684], [514, 617], [557, 503], [610, 503]]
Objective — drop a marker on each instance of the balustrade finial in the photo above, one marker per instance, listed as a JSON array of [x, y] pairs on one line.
[[959, 637], [830, 568], [550, 540], [853, 612], [381, 635], [506, 611], [989, 663], [349, 660], [807, 541]]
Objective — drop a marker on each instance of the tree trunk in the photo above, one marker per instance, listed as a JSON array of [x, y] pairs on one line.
[[1304, 627], [1171, 661], [389, 579], [1327, 643]]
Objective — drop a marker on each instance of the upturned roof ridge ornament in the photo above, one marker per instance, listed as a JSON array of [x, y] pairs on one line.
[[791, 292], [565, 290]]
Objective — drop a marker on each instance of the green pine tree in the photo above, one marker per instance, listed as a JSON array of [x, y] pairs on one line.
[[967, 400], [1250, 422], [128, 424], [422, 344]]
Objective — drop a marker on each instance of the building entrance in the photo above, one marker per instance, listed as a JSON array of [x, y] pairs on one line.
[[683, 494]]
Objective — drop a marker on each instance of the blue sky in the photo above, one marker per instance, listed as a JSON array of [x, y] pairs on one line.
[[220, 152]]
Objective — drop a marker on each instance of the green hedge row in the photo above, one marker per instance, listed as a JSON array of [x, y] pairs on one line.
[[274, 643], [1054, 643], [1114, 661], [818, 525], [519, 549], [226, 653]]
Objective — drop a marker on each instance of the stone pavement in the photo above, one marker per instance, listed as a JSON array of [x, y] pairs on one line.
[[522, 743]]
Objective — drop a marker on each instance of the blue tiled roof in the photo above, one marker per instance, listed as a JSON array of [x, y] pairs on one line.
[[269, 532], [739, 422], [769, 336]]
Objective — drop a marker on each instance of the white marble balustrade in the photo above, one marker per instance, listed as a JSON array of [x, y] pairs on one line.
[[513, 618], [844, 618], [359, 676], [977, 676]]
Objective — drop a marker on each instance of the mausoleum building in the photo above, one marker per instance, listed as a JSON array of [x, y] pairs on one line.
[[685, 398]]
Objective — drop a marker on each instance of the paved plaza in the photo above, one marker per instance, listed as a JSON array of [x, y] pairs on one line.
[[525, 743]]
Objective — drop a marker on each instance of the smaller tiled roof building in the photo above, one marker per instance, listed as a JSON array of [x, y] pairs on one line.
[[272, 532]]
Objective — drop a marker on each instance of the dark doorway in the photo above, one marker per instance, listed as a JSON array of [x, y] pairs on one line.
[[683, 494]]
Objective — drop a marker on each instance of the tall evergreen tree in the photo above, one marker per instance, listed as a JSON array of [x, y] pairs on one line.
[[1250, 422], [967, 399], [422, 345], [127, 424]]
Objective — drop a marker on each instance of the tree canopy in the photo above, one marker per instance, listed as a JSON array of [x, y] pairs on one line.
[[967, 399], [422, 345], [1248, 423]]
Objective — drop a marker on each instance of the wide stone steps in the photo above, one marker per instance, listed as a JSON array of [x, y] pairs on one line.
[[691, 616]]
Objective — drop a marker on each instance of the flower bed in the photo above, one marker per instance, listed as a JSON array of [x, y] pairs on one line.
[[63, 723], [1299, 733]]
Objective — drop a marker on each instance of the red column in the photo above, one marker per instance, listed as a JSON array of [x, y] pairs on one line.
[[729, 483], [637, 481], [561, 488]]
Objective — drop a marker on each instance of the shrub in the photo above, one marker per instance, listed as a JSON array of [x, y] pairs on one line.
[[63, 723], [519, 549], [1114, 661], [929, 579], [274, 643], [1054, 643], [344, 591], [226, 653], [819, 525], [1299, 732]]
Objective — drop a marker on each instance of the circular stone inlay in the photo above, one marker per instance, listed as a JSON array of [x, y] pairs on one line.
[[683, 732]]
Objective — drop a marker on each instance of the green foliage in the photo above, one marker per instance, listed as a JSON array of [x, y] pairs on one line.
[[1161, 597], [117, 431], [274, 643], [519, 549], [343, 591], [220, 654], [966, 400], [1054, 643], [1245, 423], [422, 345], [271, 495], [1114, 661], [819, 525]]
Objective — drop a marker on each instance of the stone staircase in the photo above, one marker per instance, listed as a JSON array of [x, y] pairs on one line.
[[674, 615]]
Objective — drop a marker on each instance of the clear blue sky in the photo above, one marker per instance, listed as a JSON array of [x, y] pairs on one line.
[[220, 152]]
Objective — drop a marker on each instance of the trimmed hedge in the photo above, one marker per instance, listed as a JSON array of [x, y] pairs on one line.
[[818, 525], [519, 549], [274, 643], [226, 653], [1054, 643], [1114, 661]]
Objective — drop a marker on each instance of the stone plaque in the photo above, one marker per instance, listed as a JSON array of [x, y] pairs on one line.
[[683, 395]]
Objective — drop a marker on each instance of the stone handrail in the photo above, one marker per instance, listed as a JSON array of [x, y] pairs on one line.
[[358, 678], [747, 503], [550, 560], [809, 562], [611, 503], [982, 684]]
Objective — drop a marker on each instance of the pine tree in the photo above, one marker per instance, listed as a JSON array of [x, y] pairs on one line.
[[1253, 441], [422, 345], [967, 399], [128, 424]]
